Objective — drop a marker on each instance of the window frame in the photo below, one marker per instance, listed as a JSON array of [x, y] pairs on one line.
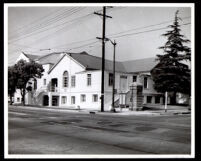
[[89, 79], [83, 98], [73, 101], [134, 76], [62, 98], [73, 81], [146, 84], [159, 99], [150, 99], [110, 79], [65, 79], [18, 99], [93, 98], [35, 84]]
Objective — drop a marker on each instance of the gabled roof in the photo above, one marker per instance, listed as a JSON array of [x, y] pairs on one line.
[[140, 65], [51, 58], [30, 56], [91, 62], [94, 62]]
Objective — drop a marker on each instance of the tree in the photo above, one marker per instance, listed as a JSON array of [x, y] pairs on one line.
[[26, 71], [170, 74], [12, 81]]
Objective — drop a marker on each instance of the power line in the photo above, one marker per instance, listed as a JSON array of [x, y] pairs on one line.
[[34, 32], [39, 19], [83, 45], [22, 45], [145, 31], [64, 28], [119, 36], [110, 36], [43, 25], [65, 23], [113, 37], [139, 28], [120, 32], [76, 42], [77, 47], [30, 29]]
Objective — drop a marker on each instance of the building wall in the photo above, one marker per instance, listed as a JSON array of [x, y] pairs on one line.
[[81, 87], [149, 91], [17, 96]]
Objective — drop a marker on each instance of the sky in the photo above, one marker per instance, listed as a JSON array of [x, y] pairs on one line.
[[136, 30]]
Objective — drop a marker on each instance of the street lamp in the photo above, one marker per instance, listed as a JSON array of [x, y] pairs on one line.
[[113, 85]]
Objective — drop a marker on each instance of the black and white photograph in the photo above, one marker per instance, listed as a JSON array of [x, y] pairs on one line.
[[99, 80]]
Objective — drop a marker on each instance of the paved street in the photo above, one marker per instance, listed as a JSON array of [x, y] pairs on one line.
[[49, 132]]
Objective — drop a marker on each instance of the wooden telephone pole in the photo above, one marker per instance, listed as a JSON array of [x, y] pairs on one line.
[[103, 55]]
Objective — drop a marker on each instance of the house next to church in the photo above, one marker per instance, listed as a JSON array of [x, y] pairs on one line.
[[74, 79]]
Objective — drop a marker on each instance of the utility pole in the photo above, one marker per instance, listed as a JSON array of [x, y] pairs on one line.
[[113, 85], [103, 56]]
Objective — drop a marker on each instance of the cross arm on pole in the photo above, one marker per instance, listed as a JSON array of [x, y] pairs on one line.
[[100, 14]]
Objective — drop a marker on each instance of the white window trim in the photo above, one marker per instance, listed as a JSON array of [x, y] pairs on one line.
[[94, 99], [81, 98], [74, 100], [88, 85], [74, 81], [62, 100]]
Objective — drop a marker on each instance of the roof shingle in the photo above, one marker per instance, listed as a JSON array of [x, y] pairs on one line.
[[32, 57], [140, 65], [91, 62]]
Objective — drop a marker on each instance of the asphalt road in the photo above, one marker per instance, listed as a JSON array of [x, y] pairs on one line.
[[49, 132]]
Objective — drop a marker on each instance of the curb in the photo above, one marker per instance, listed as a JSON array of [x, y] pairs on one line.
[[93, 112]]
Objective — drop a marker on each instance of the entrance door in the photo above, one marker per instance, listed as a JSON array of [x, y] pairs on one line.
[[123, 83], [45, 100]]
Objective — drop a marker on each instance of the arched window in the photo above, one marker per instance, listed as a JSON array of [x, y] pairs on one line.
[[65, 79]]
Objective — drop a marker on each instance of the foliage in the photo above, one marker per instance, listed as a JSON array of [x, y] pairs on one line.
[[170, 74], [12, 80], [25, 71]]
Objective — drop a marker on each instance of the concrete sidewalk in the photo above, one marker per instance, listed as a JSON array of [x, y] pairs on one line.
[[118, 111]]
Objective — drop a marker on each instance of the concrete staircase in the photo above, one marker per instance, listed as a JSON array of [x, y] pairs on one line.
[[37, 95]]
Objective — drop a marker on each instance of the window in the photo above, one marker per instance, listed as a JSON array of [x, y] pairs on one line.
[[35, 84], [44, 81], [88, 79], [145, 82], [134, 78], [157, 99], [83, 98], [18, 99], [149, 98], [72, 100], [95, 98], [63, 99], [110, 79], [72, 81], [65, 79]]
